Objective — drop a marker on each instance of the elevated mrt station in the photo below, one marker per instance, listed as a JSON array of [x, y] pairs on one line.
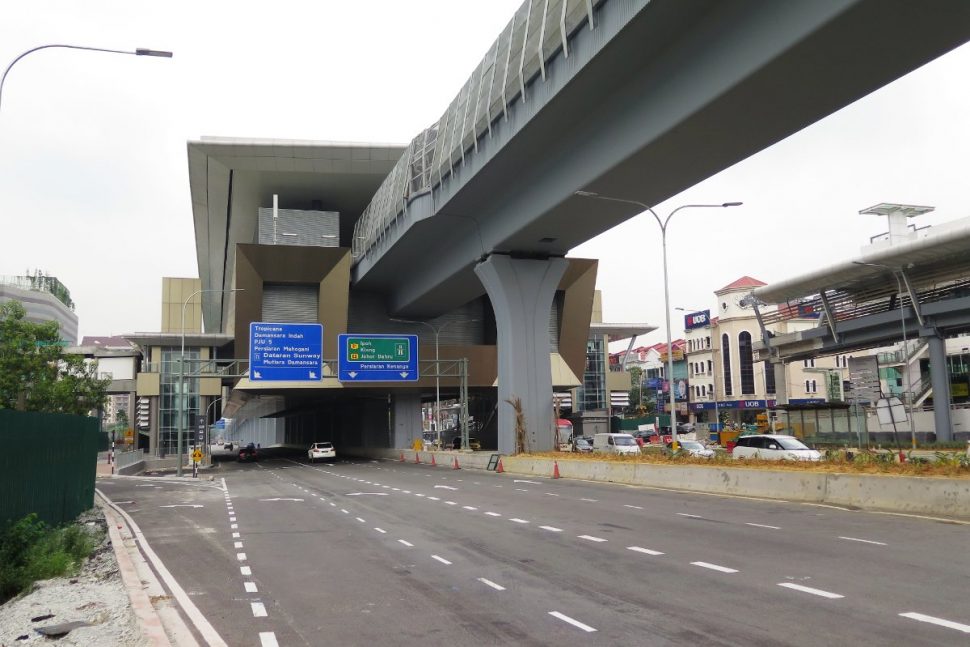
[[292, 264]]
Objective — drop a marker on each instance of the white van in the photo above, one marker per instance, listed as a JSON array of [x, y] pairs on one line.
[[615, 444]]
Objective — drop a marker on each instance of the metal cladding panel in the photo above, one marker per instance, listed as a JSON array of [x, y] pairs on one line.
[[298, 227], [555, 320], [367, 314], [291, 303]]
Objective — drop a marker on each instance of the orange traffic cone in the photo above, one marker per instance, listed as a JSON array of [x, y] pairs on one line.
[[555, 469], [433, 464], [455, 466], [417, 457], [498, 468]]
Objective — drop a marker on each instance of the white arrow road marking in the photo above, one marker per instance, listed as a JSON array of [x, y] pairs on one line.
[[446, 487], [281, 499], [371, 493], [182, 505], [524, 481]]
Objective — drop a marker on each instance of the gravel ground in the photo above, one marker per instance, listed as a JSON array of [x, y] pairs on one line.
[[95, 595]]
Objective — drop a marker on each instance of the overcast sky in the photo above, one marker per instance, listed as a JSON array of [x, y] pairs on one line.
[[93, 170]]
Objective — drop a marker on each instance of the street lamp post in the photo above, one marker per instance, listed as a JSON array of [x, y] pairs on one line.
[[181, 421], [206, 443], [138, 52], [437, 371], [663, 238], [902, 321]]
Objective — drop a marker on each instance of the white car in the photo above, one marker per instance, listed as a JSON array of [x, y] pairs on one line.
[[771, 447], [321, 450], [692, 447]]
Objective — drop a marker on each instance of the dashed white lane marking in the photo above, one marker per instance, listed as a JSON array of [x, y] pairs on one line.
[[949, 624], [864, 541], [235, 535], [333, 505], [645, 551], [250, 587], [518, 489], [433, 498], [493, 514], [715, 567], [635, 507], [572, 621], [241, 557], [233, 526], [360, 520], [469, 507], [267, 639], [259, 610], [551, 528], [344, 510], [517, 520], [551, 494], [237, 544], [591, 501], [395, 489], [245, 570], [808, 589], [418, 494], [406, 491], [442, 560], [231, 519], [761, 525], [381, 530], [591, 538], [497, 587], [691, 516], [451, 502], [405, 542]]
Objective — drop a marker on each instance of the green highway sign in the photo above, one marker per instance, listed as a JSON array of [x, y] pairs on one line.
[[377, 358], [378, 349]]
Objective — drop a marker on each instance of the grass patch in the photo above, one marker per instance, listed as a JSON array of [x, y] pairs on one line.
[[946, 464], [30, 551]]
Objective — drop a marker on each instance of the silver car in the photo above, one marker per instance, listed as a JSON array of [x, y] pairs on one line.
[[692, 447]]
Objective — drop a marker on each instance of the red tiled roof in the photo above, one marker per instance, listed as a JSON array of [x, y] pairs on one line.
[[743, 282]]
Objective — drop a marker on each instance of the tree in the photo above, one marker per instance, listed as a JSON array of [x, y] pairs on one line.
[[36, 374], [641, 403]]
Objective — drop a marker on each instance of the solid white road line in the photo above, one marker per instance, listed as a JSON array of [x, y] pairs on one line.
[[381, 530], [551, 528], [645, 551], [591, 538], [241, 557], [573, 622], [259, 610], [715, 567], [808, 589], [515, 520], [493, 514], [406, 543], [761, 525], [250, 587], [442, 560], [864, 541], [949, 624], [497, 587], [245, 570]]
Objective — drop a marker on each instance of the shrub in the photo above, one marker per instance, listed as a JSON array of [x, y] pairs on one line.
[[32, 551]]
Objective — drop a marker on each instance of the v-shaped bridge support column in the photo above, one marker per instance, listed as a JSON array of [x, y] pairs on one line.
[[521, 291]]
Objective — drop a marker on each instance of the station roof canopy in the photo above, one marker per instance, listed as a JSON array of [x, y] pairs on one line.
[[618, 331], [935, 267]]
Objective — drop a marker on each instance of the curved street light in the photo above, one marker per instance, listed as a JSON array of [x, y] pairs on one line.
[[141, 51], [663, 237]]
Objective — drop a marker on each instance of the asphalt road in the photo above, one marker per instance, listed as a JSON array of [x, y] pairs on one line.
[[363, 553]]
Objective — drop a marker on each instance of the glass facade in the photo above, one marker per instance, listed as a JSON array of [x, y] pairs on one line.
[[172, 399], [592, 395], [746, 361]]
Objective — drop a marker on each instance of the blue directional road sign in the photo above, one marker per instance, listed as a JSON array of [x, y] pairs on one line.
[[285, 351], [377, 358]]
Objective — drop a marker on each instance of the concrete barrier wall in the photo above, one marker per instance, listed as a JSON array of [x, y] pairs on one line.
[[917, 495]]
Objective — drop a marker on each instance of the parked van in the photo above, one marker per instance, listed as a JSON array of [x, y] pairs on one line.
[[615, 444]]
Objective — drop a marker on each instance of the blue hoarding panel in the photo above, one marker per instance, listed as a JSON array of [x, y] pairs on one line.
[[285, 351], [365, 357]]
